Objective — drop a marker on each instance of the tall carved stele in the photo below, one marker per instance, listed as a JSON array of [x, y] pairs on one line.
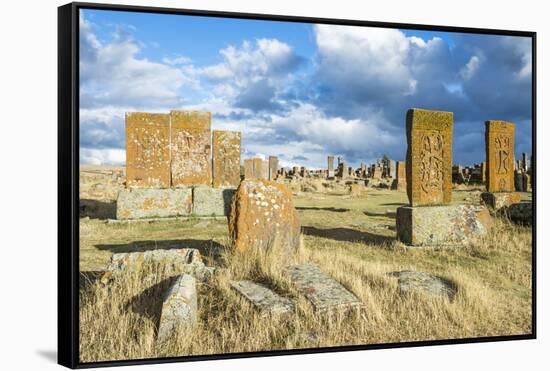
[[226, 158], [429, 157], [499, 144], [147, 150], [191, 149]]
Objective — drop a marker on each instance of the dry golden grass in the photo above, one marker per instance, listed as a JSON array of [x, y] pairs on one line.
[[493, 276], [352, 239]]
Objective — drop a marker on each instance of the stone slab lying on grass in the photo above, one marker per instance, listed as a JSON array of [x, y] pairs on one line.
[[208, 201], [425, 282], [323, 291], [264, 299], [498, 200], [139, 203], [442, 225], [179, 260], [179, 308], [520, 213]]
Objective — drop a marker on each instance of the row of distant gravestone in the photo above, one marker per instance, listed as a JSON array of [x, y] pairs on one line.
[[173, 149]]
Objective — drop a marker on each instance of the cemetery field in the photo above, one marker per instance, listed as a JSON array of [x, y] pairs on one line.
[[352, 238]]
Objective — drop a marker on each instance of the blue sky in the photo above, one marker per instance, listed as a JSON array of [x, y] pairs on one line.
[[298, 91]]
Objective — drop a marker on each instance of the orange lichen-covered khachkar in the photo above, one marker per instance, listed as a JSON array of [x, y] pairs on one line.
[[499, 146], [263, 216], [226, 158], [147, 150], [191, 149], [429, 157]]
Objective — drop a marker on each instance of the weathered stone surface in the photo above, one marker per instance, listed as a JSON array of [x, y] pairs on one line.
[[441, 225], [429, 157], [147, 149], [226, 158], [377, 173], [400, 181], [500, 199], [355, 190], [249, 168], [520, 213], [179, 308], [323, 291], [263, 215], [184, 260], [499, 146], [273, 167], [209, 201], [425, 282], [330, 165], [264, 299], [142, 203], [191, 152]]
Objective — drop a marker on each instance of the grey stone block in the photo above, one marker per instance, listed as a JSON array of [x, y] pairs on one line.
[[441, 225], [208, 201], [520, 213], [425, 282], [264, 299], [139, 203], [323, 291], [179, 308]]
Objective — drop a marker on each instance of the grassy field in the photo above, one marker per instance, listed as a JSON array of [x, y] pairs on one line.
[[352, 239]]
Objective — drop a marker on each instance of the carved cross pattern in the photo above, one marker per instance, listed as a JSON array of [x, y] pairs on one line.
[[431, 162], [148, 146], [502, 143]]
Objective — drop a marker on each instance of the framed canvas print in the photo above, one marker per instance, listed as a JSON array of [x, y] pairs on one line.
[[243, 185]]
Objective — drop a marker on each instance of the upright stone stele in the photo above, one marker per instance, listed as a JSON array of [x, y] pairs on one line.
[[430, 219], [330, 165], [400, 179], [499, 146], [147, 150], [249, 168], [191, 150], [273, 167], [429, 157], [226, 158]]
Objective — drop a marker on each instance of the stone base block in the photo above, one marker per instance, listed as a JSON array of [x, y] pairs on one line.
[[500, 199], [441, 225], [139, 203], [209, 201]]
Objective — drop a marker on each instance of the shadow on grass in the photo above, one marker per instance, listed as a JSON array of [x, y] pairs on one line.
[[148, 303], [394, 204], [88, 278], [388, 214], [205, 247], [96, 209], [334, 209], [347, 235]]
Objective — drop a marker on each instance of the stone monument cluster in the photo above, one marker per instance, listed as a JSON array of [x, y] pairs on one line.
[[177, 166]]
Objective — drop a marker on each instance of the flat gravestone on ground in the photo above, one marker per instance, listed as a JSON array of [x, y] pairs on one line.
[[147, 150], [323, 291], [191, 151], [226, 158], [429, 157], [179, 308], [264, 299], [425, 282]]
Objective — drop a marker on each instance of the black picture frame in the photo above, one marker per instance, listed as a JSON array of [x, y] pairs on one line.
[[68, 181]]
